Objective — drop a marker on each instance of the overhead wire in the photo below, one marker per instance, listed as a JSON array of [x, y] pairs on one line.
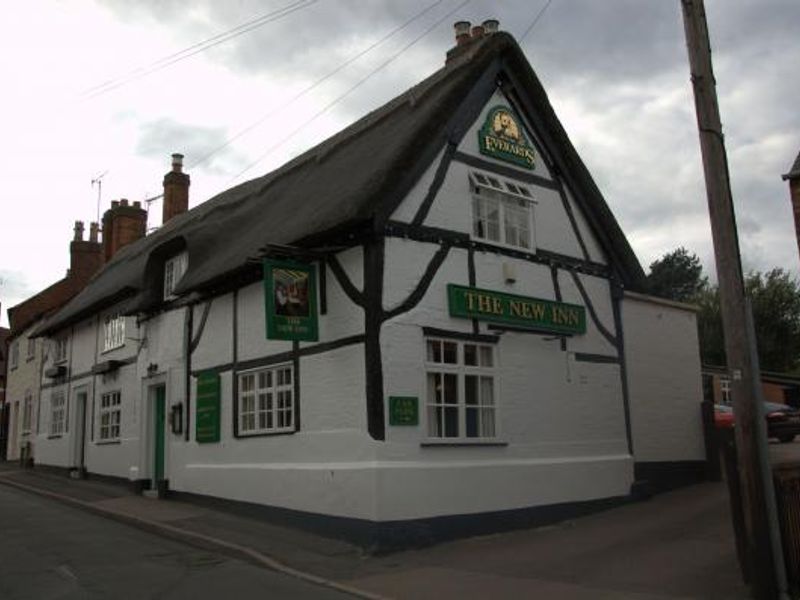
[[350, 90], [535, 21], [314, 85], [197, 48]]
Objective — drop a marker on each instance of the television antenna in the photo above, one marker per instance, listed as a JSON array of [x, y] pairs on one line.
[[99, 181]]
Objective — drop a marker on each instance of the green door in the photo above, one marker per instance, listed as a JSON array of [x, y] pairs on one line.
[[158, 470]]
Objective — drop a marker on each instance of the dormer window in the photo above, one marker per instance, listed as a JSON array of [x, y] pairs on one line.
[[113, 332], [502, 211], [174, 269], [60, 354]]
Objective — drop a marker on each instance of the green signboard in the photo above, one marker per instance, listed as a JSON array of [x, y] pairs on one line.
[[403, 410], [502, 137], [207, 427], [290, 297], [518, 311]]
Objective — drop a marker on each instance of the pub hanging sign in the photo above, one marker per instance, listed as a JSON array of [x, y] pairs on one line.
[[518, 311], [290, 297], [502, 137]]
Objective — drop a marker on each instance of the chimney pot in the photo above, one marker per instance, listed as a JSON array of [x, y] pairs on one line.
[[462, 32], [123, 202], [177, 162], [78, 231], [477, 32], [137, 204], [114, 204], [93, 229], [491, 26]]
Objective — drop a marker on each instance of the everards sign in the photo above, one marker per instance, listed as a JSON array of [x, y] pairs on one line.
[[502, 137], [518, 311]]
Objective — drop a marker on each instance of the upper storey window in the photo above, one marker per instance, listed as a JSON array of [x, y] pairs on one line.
[[113, 332], [502, 211], [174, 269]]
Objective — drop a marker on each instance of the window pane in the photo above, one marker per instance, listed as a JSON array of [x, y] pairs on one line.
[[487, 391], [450, 388], [470, 355], [472, 422], [434, 421], [471, 390], [450, 353], [486, 356], [487, 422], [450, 421]]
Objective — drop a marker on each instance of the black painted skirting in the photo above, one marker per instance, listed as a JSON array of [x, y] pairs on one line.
[[391, 536], [654, 477]]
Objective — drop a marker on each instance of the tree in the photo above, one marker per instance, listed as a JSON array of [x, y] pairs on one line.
[[775, 299], [677, 275]]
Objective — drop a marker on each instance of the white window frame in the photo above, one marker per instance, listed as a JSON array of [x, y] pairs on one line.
[[266, 401], [60, 349], [109, 417], [27, 412], [58, 412], [13, 355], [475, 421], [513, 203], [174, 270], [113, 332]]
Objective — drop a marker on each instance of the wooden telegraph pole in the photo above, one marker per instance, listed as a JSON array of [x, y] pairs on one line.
[[759, 559]]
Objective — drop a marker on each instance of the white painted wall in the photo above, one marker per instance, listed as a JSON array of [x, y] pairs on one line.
[[664, 382]]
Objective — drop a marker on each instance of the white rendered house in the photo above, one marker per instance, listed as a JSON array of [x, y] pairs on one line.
[[427, 325]]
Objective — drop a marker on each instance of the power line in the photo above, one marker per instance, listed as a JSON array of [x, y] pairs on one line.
[[535, 21], [350, 90], [194, 49], [318, 82]]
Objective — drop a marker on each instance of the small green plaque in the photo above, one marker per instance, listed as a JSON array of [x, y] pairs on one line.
[[207, 427], [403, 410], [290, 298], [520, 311]]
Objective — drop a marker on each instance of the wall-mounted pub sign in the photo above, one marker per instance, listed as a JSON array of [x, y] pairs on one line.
[[290, 298], [518, 311], [502, 137]]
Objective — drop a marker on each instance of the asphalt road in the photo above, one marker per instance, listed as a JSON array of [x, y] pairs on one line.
[[48, 550]]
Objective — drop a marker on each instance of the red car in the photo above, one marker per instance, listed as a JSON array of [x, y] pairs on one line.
[[783, 421]]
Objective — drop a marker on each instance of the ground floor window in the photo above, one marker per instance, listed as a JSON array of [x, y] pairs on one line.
[[110, 416], [266, 401], [460, 397], [27, 412], [58, 412]]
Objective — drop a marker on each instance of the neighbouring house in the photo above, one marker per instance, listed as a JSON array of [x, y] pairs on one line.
[[4, 333], [430, 324], [793, 177], [781, 388], [26, 353]]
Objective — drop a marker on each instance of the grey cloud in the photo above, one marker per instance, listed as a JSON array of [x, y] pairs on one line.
[[162, 137]]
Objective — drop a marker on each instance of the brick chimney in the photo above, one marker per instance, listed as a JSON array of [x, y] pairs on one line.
[[176, 190], [467, 36], [793, 177], [85, 257], [122, 224]]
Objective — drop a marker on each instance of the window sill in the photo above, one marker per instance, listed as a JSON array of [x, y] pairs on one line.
[[107, 350], [55, 436], [241, 436], [462, 442], [107, 442], [502, 246]]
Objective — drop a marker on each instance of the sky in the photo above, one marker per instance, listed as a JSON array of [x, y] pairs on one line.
[[107, 90]]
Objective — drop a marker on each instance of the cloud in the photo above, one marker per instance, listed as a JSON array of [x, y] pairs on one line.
[[162, 137]]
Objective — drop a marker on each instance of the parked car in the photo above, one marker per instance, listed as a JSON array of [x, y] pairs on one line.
[[783, 421]]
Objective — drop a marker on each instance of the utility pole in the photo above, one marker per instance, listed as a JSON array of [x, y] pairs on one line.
[[759, 558]]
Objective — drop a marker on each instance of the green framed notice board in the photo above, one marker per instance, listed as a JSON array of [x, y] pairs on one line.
[[207, 418], [403, 410]]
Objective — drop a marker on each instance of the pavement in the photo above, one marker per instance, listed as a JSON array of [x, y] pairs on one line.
[[676, 545]]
